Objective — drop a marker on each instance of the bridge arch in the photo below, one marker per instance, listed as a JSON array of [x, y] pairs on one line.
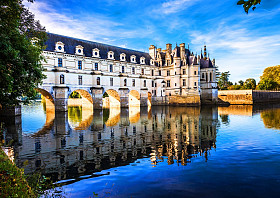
[[48, 98], [149, 99], [111, 99], [83, 99], [134, 98]]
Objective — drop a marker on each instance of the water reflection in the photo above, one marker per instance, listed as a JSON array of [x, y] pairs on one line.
[[80, 142], [271, 118]]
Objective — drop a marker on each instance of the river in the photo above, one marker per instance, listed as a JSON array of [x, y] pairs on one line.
[[162, 152]]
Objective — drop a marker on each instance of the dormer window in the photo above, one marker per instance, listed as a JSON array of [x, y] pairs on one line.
[[79, 50], [133, 59], [95, 53], [142, 60], [151, 62], [59, 46], [122, 57], [111, 55]]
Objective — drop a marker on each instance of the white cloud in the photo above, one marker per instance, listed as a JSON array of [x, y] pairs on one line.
[[240, 51], [94, 27], [175, 6]]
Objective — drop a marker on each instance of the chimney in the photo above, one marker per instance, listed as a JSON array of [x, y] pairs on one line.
[[152, 51], [182, 50], [168, 48]]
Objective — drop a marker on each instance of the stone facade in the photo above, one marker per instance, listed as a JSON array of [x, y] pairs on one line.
[[160, 77]]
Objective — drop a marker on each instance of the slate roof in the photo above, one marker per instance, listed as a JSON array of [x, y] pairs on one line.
[[205, 63], [71, 43]]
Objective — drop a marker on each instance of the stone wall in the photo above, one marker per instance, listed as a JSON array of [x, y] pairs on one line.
[[248, 96], [190, 100]]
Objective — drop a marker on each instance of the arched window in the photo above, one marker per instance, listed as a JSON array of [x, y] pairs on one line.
[[98, 80], [61, 79]]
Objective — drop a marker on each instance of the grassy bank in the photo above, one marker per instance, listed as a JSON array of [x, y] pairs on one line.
[[12, 179]]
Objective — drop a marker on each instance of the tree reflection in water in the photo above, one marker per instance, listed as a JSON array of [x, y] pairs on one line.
[[271, 118]]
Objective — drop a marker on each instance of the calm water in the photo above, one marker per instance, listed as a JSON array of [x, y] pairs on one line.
[[166, 152]]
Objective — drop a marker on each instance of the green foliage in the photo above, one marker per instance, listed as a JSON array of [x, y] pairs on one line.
[[235, 87], [105, 95], [20, 63], [272, 73], [250, 83], [75, 94], [241, 82], [12, 180], [267, 84], [248, 4], [223, 82]]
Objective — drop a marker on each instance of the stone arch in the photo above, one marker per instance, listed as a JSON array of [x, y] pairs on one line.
[[113, 99], [48, 98], [149, 99], [134, 98], [85, 100]]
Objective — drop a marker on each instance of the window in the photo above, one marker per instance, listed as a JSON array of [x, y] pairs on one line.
[[111, 68], [61, 79], [143, 71], [168, 83], [124, 82], [122, 69], [155, 92], [153, 83], [175, 84], [79, 64], [95, 53], [159, 72], [152, 72], [80, 79], [202, 75], [111, 82], [133, 70], [210, 77], [168, 73], [59, 47], [195, 84], [98, 80], [133, 82], [59, 62], [144, 83], [184, 71], [96, 66], [184, 82], [194, 72]]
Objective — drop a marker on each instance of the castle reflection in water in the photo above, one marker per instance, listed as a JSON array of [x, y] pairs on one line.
[[82, 142]]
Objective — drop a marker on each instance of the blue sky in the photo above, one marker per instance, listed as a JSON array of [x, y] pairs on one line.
[[242, 44]]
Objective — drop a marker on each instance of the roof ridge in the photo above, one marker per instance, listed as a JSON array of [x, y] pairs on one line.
[[96, 42]]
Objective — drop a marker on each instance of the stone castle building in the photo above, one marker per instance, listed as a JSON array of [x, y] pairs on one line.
[[172, 76]]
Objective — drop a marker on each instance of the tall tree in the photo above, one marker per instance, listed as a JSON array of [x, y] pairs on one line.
[[249, 4], [223, 81], [20, 63], [250, 83], [270, 79]]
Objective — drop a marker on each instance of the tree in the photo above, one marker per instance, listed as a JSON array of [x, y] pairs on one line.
[[223, 81], [272, 73], [267, 84], [250, 83], [241, 82], [20, 63], [248, 4]]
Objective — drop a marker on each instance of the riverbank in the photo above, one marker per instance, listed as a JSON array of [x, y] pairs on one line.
[[12, 179]]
